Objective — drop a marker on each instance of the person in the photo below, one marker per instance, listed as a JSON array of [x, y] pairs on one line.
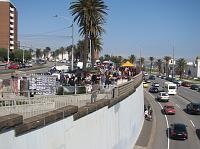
[[146, 114]]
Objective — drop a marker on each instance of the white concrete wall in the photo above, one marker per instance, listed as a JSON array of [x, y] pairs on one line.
[[117, 127]]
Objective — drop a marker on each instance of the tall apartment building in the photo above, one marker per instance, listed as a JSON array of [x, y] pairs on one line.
[[8, 25]]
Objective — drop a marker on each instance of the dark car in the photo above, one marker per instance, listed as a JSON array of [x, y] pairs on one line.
[[152, 77], [193, 108], [194, 87], [153, 90], [178, 131], [186, 84]]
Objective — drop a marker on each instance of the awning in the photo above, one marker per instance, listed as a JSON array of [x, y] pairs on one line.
[[127, 64]]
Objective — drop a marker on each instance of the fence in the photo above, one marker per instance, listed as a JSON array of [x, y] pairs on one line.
[[32, 106]]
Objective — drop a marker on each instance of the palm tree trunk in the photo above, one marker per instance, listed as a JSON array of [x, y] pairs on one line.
[[85, 52], [92, 51]]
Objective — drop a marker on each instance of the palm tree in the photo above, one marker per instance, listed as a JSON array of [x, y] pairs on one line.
[[46, 52], [97, 48], [88, 14], [132, 58], [142, 59], [151, 59], [38, 53], [181, 65], [107, 57], [167, 59], [159, 65], [62, 51]]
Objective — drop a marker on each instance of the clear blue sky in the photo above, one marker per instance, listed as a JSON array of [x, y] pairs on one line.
[[152, 26]]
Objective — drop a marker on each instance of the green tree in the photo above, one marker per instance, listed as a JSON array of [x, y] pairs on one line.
[[107, 57], [39, 53], [88, 14], [3, 54], [62, 51], [151, 60], [46, 52], [132, 58], [181, 65], [142, 60], [159, 65], [167, 59]]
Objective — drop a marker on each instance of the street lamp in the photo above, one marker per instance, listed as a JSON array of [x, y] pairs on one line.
[[72, 36]]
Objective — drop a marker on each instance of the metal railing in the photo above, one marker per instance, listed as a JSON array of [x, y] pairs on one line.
[[31, 106]]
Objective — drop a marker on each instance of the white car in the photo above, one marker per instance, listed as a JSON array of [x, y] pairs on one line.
[[163, 96], [155, 84]]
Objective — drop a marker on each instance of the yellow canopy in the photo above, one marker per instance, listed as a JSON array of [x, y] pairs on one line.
[[127, 64]]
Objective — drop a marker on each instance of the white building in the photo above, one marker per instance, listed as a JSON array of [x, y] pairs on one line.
[[193, 69]]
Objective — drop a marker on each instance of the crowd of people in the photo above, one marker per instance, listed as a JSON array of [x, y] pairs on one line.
[[105, 75]]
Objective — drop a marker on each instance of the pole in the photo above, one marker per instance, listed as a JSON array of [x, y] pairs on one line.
[[23, 56], [173, 64], [72, 60]]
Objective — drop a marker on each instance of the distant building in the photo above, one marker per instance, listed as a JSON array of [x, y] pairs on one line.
[[8, 25], [193, 68]]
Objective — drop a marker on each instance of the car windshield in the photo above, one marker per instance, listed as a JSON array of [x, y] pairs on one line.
[[180, 127], [170, 107], [172, 87], [196, 106], [164, 94]]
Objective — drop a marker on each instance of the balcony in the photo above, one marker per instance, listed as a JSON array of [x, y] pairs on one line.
[[12, 47], [12, 15], [12, 31], [12, 42], [11, 37], [11, 26], [12, 20], [12, 9]]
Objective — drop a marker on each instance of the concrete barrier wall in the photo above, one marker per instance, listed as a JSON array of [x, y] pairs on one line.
[[115, 127]]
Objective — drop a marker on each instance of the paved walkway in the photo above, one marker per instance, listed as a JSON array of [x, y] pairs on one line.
[[143, 140]]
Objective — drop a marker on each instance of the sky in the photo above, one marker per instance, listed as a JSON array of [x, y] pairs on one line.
[[146, 27]]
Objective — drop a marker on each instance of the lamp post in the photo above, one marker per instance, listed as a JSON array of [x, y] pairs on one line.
[[72, 36]]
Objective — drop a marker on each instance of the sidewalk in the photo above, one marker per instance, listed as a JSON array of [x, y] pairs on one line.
[[145, 137]]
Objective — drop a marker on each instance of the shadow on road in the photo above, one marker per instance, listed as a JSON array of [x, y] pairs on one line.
[[198, 133]]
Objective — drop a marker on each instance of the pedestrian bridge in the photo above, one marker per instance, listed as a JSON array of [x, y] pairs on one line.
[[105, 124]]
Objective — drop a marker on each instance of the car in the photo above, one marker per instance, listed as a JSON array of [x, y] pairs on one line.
[[163, 96], [151, 77], [153, 90], [169, 109], [148, 81], [145, 85], [155, 84], [159, 76], [28, 64], [199, 89], [178, 131], [13, 66], [186, 84], [193, 108], [22, 65], [177, 82], [194, 87], [163, 77]]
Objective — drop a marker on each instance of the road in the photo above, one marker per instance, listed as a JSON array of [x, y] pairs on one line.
[[161, 140]]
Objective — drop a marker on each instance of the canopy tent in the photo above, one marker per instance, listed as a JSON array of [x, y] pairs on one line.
[[127, 64]]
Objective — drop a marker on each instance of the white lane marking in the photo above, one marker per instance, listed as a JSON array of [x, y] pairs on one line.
[[178, 106], [167, 127], [192, 123], [165, 119]]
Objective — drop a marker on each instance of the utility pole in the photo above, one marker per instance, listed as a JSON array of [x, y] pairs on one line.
[[173, 64], [72, 62]]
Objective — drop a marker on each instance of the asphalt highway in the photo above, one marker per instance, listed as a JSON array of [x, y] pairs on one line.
[[161, 139]]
